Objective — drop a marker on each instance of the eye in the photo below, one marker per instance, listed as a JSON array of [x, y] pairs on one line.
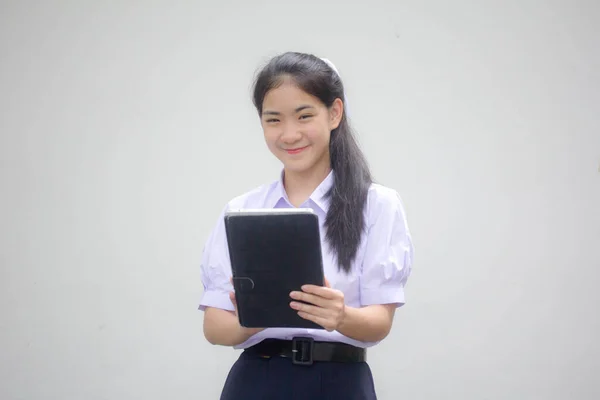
[[306, 116], [272, 120]]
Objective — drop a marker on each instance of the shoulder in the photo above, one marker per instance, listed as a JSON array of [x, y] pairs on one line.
[[385, 209], [254, 198], [383, 200], [381, 194]]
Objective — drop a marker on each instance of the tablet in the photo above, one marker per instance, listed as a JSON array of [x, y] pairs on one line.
[[273, 252]]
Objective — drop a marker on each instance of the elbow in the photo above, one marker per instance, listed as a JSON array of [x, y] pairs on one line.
[[210, 331], [381, 323], [210, 338], [376, 333], [383, 333], [217, 327], [208, 334], [387, 320]]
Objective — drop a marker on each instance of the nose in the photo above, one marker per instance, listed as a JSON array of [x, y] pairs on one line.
[[290, 134]]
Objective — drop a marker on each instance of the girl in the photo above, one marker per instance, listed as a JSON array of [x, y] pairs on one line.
[[366, 245]]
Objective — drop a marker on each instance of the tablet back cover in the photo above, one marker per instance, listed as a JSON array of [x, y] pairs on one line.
[[273, 253]]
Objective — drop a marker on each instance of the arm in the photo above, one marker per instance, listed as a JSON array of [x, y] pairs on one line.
[[221, 324], [385, 269], [367, 324], [221, 327]]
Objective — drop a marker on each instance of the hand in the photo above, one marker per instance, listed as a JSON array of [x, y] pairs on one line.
[[326, 305], [247, 331]]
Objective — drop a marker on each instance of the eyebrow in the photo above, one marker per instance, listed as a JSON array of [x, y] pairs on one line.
[[297, 110]]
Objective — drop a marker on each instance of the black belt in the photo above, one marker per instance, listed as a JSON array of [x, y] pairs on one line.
[[304, 351]]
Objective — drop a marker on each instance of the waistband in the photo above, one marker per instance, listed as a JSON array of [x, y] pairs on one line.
[[305, 351]]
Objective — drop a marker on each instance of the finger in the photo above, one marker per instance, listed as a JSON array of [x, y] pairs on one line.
[[313, 310], [327, 284], [317, 320], [322, 291], [310, 298]]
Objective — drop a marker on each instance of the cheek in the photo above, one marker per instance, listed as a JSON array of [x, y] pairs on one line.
[[270, 138], [318, 135]]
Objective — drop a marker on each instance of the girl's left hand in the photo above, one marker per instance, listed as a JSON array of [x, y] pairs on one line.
[[326, 305]]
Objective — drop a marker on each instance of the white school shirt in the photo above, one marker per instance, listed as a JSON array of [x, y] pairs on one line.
[[378, 275]]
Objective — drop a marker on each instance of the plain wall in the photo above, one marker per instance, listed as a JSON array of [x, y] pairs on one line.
[[126, 126]]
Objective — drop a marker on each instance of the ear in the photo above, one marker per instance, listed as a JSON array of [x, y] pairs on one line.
[[335, 113]]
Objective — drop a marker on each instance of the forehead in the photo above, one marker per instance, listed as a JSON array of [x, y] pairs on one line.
[[288, 96]]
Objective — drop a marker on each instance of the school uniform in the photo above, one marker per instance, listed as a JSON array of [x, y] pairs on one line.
[[329, 365]]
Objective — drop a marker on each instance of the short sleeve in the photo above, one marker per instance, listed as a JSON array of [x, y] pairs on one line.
[[215, 270], [388, 254]]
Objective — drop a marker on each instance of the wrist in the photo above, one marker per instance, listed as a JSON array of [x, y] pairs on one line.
[[346, 318]]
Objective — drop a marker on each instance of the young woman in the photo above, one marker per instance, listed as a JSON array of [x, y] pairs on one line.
[[367, 248]]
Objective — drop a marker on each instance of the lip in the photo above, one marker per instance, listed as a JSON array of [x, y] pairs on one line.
[[296, 151]]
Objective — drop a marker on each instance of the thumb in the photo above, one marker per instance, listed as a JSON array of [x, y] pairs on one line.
[[327, 284]]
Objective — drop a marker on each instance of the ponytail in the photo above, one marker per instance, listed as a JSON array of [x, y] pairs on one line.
[[345, 221]]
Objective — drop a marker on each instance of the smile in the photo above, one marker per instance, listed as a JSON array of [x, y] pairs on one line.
[[296, 151]]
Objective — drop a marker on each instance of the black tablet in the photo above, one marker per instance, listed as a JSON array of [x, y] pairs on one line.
[[273, 252]]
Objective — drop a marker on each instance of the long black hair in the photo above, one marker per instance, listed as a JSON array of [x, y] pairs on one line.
[[345, 220]]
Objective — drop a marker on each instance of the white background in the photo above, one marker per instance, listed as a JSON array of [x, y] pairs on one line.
[[126, 126]]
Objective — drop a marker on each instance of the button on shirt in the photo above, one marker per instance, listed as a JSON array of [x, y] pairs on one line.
[[378, 275]]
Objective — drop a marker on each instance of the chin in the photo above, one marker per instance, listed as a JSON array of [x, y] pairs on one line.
[[297, 166]]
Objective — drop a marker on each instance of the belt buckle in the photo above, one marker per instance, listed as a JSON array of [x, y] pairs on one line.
[[302, 350]]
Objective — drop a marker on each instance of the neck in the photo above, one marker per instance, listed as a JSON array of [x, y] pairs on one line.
[[300, 185]]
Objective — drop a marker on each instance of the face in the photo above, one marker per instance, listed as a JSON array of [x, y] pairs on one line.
[[297, 128]]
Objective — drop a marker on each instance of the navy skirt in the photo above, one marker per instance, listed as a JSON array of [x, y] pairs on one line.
[[255, 378]]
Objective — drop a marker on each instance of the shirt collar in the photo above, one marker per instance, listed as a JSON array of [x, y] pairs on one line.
[[319, 195]]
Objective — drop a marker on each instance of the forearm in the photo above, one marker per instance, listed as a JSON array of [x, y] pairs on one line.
[[367, 324], [221, 327]]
